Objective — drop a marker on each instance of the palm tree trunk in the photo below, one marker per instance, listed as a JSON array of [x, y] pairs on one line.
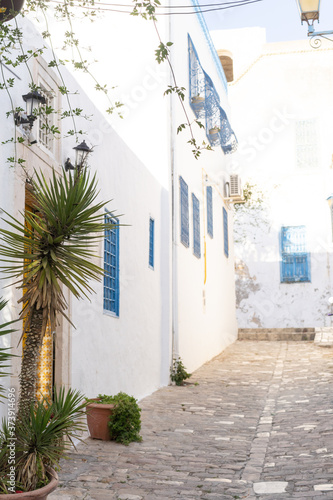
[[31, 352]]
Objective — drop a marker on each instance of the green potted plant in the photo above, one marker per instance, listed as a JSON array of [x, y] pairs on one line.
[[114, 418], [53, 246]]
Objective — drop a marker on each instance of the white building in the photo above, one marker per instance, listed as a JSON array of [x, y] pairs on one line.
[[282, 100], [173, 290]]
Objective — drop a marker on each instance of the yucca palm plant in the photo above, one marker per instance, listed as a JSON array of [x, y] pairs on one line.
[[53, 246], [39, 442], [5, 355]]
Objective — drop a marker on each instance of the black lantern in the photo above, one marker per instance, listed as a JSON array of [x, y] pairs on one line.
[[32, 100], [81, 154]]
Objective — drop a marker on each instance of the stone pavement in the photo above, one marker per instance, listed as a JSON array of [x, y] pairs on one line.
[[258, 426]]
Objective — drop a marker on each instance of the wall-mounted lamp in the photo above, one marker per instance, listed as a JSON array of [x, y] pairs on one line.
[[32, 100], [81, 154], [309, 12]]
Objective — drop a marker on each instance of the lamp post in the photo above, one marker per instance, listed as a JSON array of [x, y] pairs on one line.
[[81, 154], [309, 12]]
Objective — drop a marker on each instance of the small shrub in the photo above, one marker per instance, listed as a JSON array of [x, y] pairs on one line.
[[125, 420], [178, 372]]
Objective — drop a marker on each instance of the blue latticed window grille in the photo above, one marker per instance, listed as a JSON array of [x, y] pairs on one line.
[[111, 267], [196, 226], [197, 82], [205, 103], [306, 144], [295, 259], [151, 242], [184, 213], [209, 197], [225, 232]]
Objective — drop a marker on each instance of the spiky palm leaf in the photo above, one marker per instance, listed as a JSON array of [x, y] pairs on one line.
[[5, 355], [55, 244], [39, 437]]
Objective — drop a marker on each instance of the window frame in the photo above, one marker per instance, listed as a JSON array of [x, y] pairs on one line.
[[210, 217], [196, 226], [151, 253], [115, 231], [184, 213], [225, 232], [297, 258]]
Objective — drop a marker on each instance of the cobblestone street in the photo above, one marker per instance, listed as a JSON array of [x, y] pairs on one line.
[[254, 423]]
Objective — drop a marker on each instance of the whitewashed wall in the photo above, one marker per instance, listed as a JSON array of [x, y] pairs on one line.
[[285, 83], [133, 352], [206, 311]]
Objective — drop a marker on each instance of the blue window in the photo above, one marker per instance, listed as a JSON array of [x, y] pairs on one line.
[[184, 213], [111, 267], [196, 226], [209, 196], [295, 260], [225, 232], [151, 242]]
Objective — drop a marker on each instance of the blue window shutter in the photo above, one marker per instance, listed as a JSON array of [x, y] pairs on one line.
[[196, 226], [111, 267], [151, 242], [209, 196], [225, 232], [295, 260], [184, 213]]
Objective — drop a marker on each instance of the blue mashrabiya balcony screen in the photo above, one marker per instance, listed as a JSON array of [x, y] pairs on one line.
[[205, 103]]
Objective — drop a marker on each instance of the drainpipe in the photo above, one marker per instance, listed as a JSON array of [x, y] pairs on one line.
[[173, 183]]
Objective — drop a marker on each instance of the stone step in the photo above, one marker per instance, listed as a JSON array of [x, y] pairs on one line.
[[277, 334]]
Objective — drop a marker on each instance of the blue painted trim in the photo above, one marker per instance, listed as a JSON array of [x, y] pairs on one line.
[[111, 268], [211, 46], [225, 232], [151, 242], [196, 226], [209, 197], [184, 213]]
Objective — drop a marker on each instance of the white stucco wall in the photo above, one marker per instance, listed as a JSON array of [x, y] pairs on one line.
[[133, 352], [288, 82]]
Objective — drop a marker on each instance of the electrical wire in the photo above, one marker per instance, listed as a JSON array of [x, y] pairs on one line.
[[199, 8]]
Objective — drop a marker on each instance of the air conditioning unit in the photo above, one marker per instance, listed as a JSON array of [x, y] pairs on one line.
[[233, 189]]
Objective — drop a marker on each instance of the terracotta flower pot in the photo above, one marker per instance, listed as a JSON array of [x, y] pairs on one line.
[[40, 494], [6, 6], [98, 415]]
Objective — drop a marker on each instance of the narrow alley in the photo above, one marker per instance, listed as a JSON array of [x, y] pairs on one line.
[[253, 423]]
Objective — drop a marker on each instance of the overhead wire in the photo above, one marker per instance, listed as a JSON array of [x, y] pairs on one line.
[[198, 8]]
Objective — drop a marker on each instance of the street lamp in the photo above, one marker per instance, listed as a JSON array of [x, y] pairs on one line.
[[32, 100], [81, 154], [309, 12]]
